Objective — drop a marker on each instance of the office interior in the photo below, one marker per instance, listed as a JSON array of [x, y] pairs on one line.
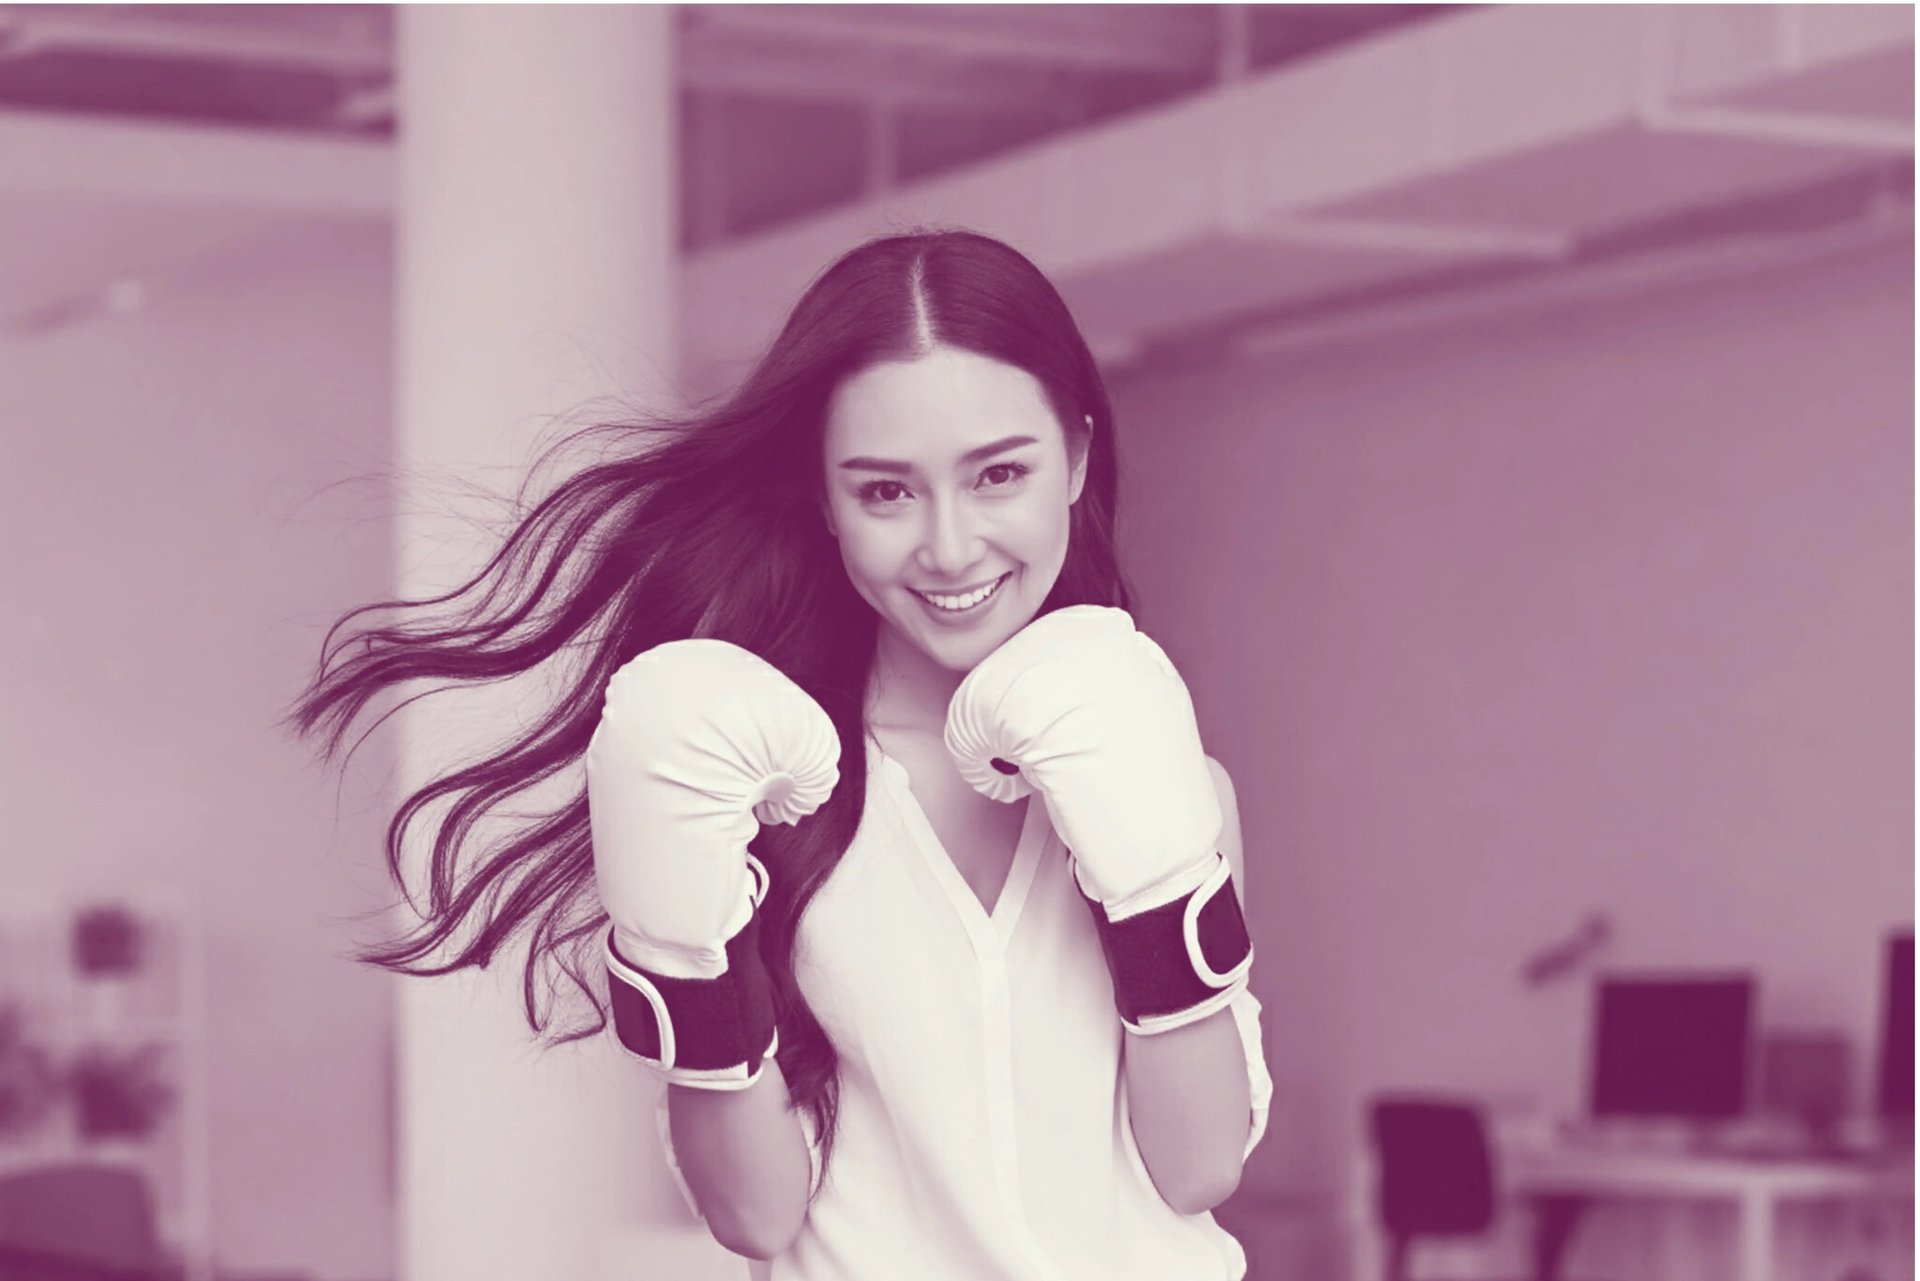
[[1515, 406]]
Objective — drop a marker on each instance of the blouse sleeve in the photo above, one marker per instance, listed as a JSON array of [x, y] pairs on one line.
[[813, 1152], [673, 1160], [1246, 1016]]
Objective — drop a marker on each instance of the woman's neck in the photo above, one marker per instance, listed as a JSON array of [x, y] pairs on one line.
[[907, 692]]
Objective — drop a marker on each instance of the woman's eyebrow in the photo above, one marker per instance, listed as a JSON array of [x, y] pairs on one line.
[[971, 456]]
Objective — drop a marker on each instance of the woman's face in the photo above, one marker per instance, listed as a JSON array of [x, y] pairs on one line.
[[947, 476]]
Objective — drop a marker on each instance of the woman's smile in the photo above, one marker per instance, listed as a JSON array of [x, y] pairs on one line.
[[962, 604]]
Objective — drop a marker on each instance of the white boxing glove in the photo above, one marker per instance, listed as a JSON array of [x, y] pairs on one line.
[[699, 742], [1095, 718], [1083, 708]]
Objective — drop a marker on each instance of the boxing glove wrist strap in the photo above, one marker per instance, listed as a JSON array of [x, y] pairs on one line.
[[1178, 962], [708, 1033]]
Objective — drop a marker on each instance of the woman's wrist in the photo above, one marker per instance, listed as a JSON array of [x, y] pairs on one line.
[[1180, 960], [707, 1033]]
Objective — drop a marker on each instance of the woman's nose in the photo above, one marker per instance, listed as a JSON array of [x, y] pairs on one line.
[[949, 545]]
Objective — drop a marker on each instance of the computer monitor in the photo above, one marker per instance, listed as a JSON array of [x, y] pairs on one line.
[[1894, 1089], [1671, 1045]]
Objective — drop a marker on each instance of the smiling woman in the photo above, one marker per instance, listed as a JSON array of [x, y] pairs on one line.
[[960, 546], [839, 631]]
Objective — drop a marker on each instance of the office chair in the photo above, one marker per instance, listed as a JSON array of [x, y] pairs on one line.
[[79, 1222], [1436, 1179]]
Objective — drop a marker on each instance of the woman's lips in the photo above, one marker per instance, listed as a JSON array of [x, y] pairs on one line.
[[976, 607], [957, 591]]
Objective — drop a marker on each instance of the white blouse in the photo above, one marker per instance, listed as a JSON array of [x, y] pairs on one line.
[[984, 1131]]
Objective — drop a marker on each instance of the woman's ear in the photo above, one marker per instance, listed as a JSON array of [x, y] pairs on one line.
[[1077, 450], [826, 514]]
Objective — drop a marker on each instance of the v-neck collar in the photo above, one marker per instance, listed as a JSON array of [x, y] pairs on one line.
[[984, 926]]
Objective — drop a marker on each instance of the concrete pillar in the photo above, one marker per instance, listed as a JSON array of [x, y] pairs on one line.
[[537, 269]]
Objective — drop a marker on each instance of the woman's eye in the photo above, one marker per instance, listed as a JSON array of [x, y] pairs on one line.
[[870, 492], [998, 476]]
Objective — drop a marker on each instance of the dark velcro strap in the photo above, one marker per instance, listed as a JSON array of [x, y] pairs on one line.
[[1153, 972], [716, 1023]]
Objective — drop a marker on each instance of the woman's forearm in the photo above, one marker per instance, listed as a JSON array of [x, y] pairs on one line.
[[744, 1157], [1191, 1103]]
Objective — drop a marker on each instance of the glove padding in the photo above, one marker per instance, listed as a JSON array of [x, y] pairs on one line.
[[1093, 716], [700, 742]]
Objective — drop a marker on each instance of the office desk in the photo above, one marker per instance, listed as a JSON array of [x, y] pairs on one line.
[[1564, 1179]]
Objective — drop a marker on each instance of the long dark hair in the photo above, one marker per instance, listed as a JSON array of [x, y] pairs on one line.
[[706, 523]]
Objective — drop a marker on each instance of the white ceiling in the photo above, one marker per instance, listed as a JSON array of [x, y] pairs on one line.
[[786, 110], [781, 104], [1496, 149], [103, 107]]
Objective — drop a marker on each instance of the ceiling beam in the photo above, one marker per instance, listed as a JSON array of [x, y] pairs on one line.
[[747, 59], [1168, 39], [1413, 238], [1807, 128], [727, 63], [38, 29]]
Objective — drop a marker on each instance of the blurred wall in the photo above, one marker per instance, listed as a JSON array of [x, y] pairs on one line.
[[177, 539], [1606, 606]]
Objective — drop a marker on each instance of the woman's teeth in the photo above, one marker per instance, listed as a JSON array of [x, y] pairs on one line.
[[959, 604]]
